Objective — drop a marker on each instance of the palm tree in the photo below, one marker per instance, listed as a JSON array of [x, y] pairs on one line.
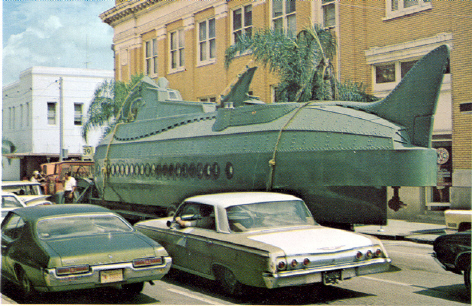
[[105, 110], [303, 63], [7, 146]]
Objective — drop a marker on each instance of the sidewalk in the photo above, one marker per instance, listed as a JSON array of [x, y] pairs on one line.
[[405, 230]]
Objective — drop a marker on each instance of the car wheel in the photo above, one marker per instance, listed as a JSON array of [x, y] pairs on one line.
[[132, 289], [467, 278], [229, 282], [27, 289]]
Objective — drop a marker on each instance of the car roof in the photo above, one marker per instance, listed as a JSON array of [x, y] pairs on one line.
[[37, 212], [240, 198], [18, 183]]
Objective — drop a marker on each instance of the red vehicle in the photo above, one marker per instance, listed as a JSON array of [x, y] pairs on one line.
[[54, 173]]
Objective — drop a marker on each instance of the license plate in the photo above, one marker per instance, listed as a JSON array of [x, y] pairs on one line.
[[111, 276], [332, 277]]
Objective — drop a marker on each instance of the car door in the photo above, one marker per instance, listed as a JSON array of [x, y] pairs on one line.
[[192, 244], [12, 229]]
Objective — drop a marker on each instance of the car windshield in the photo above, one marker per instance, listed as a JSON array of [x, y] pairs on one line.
[[268, 215], [74, 226], [10, 202]]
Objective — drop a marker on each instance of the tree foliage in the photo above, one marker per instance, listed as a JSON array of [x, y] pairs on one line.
[[105, 110], [302, 62]]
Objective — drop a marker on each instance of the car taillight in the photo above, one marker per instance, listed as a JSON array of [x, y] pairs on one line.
[[294, 263], [369, 254], [358, 255], [306, 262], [144, 262], [72, 270], [378, 253], [281, 265]]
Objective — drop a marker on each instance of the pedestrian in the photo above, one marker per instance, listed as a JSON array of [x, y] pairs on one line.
[[70, 184], [37, 178]]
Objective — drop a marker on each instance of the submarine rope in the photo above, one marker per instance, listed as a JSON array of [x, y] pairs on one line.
[[272, 162], [106, 159]]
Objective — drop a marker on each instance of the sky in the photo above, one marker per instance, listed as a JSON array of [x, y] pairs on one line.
[[60, 33]]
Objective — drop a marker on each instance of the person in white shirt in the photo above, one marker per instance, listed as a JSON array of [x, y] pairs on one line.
[[70, 184]]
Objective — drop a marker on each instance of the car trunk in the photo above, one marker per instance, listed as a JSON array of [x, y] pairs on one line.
[[101, 249]]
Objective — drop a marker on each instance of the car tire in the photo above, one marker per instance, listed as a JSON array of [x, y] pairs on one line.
[[26, 287], [229, 283], [467, 277], [132, 289]]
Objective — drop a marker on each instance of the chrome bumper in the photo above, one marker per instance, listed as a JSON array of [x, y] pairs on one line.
[[317, 275], [92, 279]]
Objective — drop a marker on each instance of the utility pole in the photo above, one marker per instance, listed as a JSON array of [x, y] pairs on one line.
[[61, 119]]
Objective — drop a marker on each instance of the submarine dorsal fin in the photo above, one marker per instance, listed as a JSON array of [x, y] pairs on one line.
[[239, 91], [412, 103]]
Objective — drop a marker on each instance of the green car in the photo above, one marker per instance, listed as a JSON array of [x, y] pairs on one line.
[[68, 247]]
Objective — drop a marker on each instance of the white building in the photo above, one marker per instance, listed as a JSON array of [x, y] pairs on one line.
[[31, 112]]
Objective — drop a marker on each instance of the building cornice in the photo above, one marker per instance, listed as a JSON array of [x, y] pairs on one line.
[[125, 9]]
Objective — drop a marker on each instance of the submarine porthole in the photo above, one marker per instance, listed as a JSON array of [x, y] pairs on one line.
[[184, 170], [122, 169], [126, 170], [147, 170], [170, 171], [178, 170], [229, 170], [108, 170], [141, 169], [207, 171], [158, 171], [164, 170], [153, 169], [199, 170], [216, 171], [113, 169], [192, 170], [137, 170], [131, 170]]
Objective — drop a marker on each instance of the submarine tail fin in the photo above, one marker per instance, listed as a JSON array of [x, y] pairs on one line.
[[239, 91], [413, 101]]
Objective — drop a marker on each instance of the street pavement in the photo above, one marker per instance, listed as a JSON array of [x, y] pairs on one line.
[[419, 232]]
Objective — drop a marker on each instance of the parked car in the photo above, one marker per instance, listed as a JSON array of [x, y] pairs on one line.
[[77, 246], [452, 252], [31, 193], [10, 201], [263, 240], [457, 219]]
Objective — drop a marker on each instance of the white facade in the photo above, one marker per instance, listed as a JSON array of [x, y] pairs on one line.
[[31, 112]]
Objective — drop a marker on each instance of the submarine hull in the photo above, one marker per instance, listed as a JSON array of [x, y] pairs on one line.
[[338, 156]]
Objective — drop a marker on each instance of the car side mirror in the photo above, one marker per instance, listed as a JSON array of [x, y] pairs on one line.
[[169, 223]]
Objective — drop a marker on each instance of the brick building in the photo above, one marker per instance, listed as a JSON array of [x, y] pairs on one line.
[[378, 41]]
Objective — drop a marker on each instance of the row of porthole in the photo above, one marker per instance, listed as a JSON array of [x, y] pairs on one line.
[[192, 170]]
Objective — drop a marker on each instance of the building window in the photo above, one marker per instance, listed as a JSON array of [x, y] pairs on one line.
[[51, 113], [397, 8], [242, 22], [77, 114], [151, 57], [177, 49], [283, 15], [27, 114], [405, 67], [385, 73], [207, 40], [208, 99], [329, 13]]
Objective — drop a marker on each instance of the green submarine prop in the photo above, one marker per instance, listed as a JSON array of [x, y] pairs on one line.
[[340, 157]]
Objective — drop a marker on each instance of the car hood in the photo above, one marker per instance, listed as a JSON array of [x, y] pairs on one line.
[[313, 241], [101, 249]]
